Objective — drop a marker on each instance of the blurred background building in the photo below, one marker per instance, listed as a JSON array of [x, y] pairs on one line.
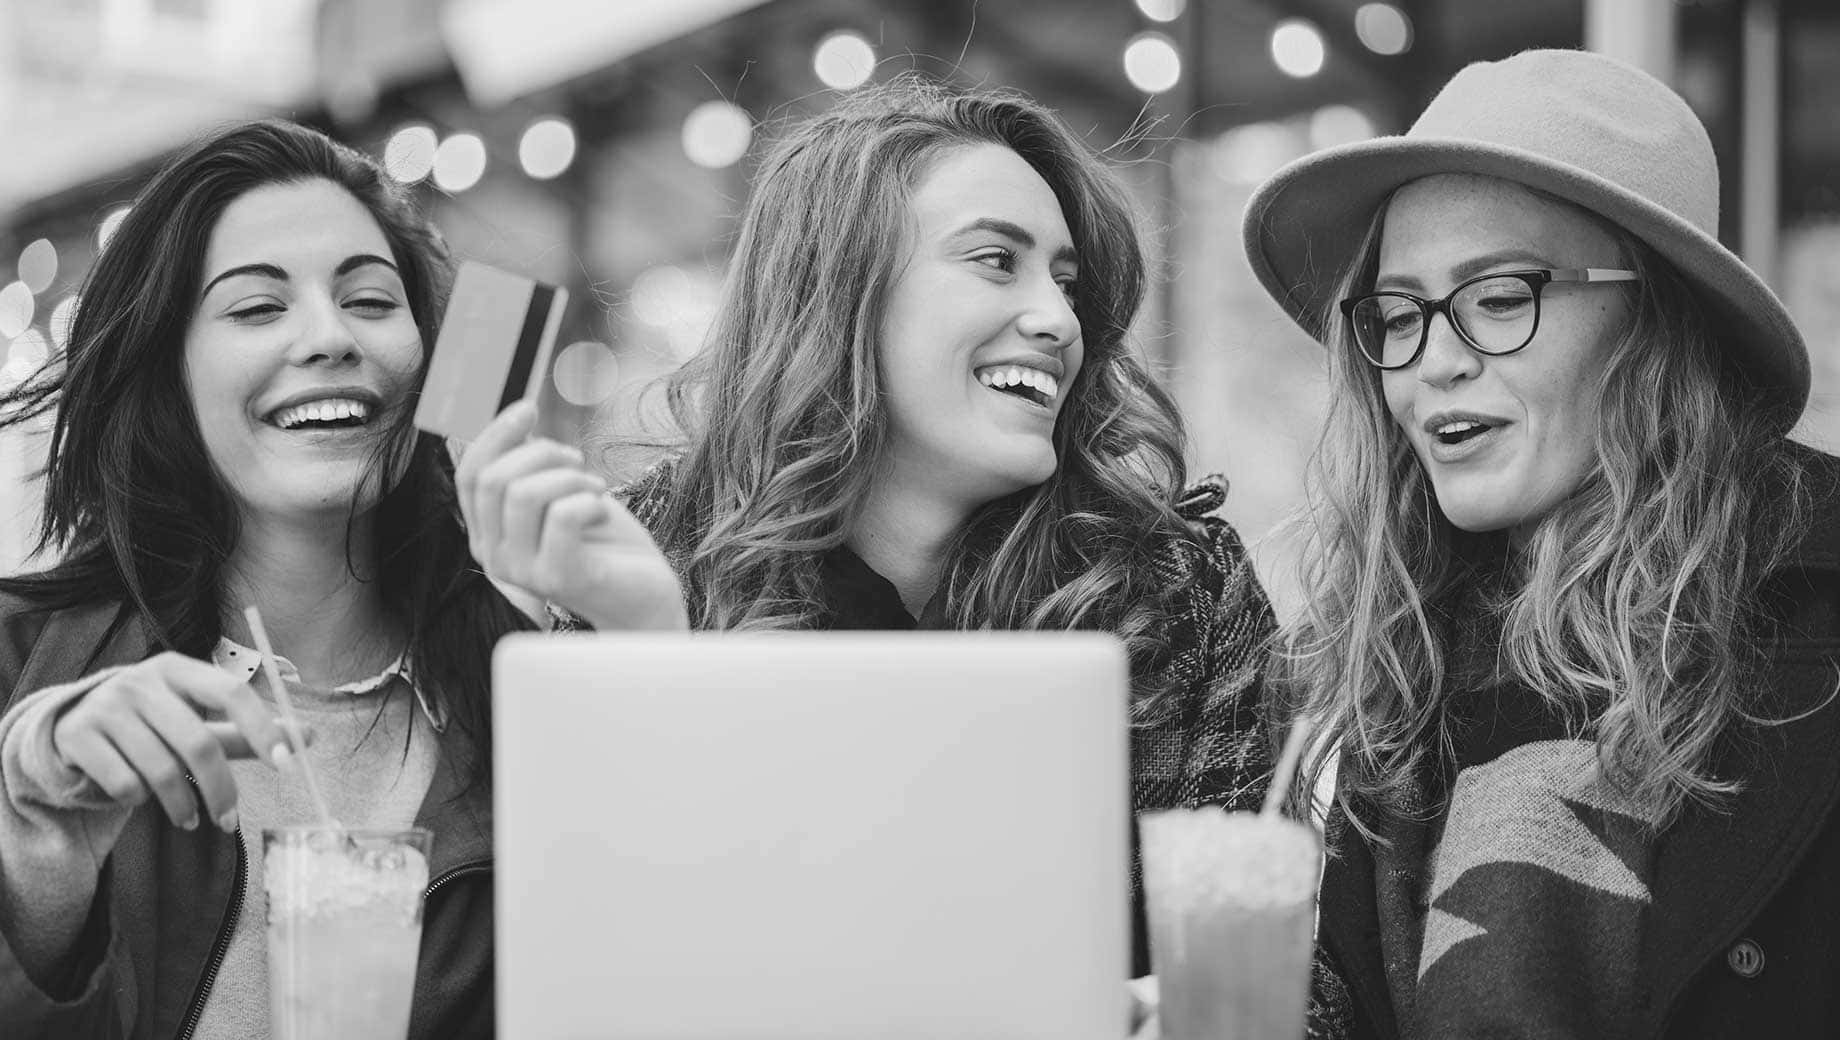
[[607, 145]]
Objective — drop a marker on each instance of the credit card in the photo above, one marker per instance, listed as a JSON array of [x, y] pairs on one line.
[[493, 350]]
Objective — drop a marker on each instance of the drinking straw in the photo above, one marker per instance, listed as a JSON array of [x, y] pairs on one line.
[[289, 718], [1294, 742]]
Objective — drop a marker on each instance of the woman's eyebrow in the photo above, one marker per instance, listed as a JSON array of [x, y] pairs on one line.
[[352, 263], [1465, 270], [261, 270], [1017, 233], [346, 266]]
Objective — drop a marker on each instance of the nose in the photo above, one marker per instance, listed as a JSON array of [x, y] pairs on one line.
[[325, 338], [1047, 318], [1447, 358]]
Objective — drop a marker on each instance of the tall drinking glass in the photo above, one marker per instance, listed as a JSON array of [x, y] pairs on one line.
[[344, 928], [1232, 906]]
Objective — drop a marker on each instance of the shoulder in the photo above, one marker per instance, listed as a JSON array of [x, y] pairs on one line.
[[1217, 605], [71, 639], [647, 494], [1210, 556], [1820, 473], [1803, 591], [22, 622]]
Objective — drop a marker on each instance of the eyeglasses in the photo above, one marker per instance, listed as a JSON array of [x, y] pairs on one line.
[[1495, 314]]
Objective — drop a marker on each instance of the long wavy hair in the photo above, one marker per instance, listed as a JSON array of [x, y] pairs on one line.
[[1633, 609], [136, 511], [782, 409]]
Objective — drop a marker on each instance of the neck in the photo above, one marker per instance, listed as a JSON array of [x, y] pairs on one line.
[[902, 531], [319, 614]]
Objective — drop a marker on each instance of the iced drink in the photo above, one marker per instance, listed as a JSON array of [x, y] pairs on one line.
[[1232, 905], [344, 927]]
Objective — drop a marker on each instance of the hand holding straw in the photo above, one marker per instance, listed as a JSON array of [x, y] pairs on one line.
[[289, 718], [1288, 758]]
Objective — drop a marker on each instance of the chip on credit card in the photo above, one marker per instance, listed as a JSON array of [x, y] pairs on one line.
[[493, 350]]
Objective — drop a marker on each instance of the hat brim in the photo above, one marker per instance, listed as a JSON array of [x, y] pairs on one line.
[[1302, 227]]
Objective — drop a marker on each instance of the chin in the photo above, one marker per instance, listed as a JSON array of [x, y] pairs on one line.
[[1474, 514], [1019, 473]]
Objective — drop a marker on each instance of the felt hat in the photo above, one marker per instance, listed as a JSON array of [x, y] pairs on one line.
[[1586, 128]]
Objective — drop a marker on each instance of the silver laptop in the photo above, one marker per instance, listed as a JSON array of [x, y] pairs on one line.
[[813, 835]]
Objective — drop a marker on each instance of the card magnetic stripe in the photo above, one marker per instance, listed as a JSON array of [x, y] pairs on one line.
[[530, 338]]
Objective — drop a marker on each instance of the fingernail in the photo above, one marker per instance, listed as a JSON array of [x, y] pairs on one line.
[[283, 758], [227, 822], [190, 824]]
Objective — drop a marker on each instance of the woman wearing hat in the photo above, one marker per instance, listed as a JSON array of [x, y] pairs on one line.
[[1575, 624]]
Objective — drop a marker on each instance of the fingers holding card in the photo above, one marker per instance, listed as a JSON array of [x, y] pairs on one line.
[[538, 520]]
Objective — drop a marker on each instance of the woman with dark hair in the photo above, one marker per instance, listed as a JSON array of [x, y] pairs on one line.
[[1574, 623], [233, 430], [918, 408]]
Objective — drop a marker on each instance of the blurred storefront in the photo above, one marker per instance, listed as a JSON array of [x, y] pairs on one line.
[[607, 144]]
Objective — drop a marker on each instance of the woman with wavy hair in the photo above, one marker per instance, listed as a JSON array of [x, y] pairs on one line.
[[918, 408], [232, 429], [1574, 622]]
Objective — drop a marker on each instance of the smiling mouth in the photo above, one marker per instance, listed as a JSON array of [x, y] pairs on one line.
[[1030, 384], [330, 414]]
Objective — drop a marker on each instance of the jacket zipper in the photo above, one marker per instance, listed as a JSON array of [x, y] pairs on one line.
[[475, 867], [222, 945]]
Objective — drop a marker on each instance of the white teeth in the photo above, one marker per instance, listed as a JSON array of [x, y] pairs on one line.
[[322, 411], [1017, 375], [1458, 426]]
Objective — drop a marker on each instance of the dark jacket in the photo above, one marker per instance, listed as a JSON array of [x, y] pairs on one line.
[[1743, 936], [169, 899]]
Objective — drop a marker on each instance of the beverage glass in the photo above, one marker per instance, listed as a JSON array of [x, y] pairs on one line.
[[1232, 907], [344, 929]]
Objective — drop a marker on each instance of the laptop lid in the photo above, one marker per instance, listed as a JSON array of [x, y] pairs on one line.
[[815, 835]]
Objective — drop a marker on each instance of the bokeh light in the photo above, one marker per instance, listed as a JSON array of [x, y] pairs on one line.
[[1383, 28], [61, 317], [29, 350], [23, 359], [1298, 48], [1152, 63], [16, 309], [547, 148], [680, 303], [1246, 155], [1162, 10], [409, 154], [110, 224], [459, 162], [38, 265], [586, 373], [1339, 124], [717, 134], [843, 61]]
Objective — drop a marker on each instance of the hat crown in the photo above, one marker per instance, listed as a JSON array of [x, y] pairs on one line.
[[1599, 116]]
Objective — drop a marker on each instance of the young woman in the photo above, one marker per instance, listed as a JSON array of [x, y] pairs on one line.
[[918, 408], [1576, 602], [232, 429]]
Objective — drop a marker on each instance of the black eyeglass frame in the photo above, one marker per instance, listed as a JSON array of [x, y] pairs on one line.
[[1537, 279]]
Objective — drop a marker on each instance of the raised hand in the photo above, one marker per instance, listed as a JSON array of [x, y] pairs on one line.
[[538, 521]]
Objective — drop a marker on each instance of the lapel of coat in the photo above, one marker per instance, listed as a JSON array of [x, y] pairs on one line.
[[1349, 921], [79, 640]]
